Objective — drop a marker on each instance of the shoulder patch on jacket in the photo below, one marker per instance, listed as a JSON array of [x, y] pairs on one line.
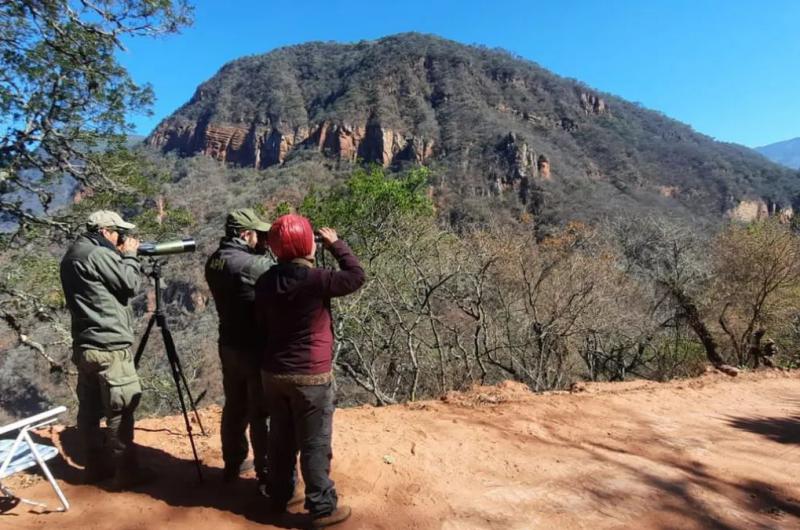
[[217, 263]]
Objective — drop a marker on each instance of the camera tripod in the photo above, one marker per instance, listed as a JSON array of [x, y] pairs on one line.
[[178, 377]]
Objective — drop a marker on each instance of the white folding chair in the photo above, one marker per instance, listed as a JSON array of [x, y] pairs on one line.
[[16, 456]]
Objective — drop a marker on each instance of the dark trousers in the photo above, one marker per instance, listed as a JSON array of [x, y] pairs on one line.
[[244, 405], [301, 420]]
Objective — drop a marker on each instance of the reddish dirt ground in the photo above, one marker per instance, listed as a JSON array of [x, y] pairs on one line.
[[714, 452]]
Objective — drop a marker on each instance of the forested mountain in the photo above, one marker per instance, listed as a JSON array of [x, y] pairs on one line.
[[490, 123], [786, 153]]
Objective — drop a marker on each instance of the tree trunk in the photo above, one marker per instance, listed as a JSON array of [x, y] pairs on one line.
[[701, 330], [754, 350]]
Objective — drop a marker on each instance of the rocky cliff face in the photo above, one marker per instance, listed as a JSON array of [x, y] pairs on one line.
[[750, 210], [592, 103], [262, 147], [758, 209], [519, 167]]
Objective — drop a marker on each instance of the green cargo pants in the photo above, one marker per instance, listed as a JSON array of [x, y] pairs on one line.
[[109, 387]]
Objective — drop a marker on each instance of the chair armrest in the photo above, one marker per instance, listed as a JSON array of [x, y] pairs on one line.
[[35, 420]]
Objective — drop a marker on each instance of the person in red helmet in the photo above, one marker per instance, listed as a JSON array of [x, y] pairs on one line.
[[293, 309]]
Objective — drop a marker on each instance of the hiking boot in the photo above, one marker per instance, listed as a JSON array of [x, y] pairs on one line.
[[337, 516], [233, 472], [296, 499]]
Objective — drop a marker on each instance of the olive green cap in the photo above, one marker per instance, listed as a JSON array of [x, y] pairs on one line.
[[245, 219]]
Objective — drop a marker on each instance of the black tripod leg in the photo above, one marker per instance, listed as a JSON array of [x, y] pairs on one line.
[[159, 318], [143, 342], [170, 346], [174, 364]]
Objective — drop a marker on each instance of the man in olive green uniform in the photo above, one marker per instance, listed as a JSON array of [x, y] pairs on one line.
[[231, 273], [100, 274]]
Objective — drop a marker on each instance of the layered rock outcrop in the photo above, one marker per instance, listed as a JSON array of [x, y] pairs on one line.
[[264, 146], [543, 165], [521, 166], [518, 157], [592, 104], [747, 211], [758, 209]]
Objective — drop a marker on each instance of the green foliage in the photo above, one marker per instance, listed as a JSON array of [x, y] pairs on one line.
[[162, 225], [35, 275], [265, 212], [136, 179], [676, 355], [63, 95], [282, 208], [369, 203]]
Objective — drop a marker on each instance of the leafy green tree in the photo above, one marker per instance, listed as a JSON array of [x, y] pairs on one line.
[[368, 205], [64, 96]]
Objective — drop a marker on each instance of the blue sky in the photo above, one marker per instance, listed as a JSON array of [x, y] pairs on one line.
[[731, 69]]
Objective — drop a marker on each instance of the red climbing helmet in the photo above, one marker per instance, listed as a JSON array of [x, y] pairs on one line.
[[290, 237]]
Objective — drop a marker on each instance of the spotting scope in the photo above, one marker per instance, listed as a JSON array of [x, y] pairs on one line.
[[179, 246]]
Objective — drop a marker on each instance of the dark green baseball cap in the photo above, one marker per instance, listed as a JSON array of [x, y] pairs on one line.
[[245, 219]]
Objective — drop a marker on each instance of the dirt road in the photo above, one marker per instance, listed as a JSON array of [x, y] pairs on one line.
[[714, 452]]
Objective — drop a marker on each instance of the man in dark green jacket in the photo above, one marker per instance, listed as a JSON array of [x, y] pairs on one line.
[[99, 275], [231, 273]]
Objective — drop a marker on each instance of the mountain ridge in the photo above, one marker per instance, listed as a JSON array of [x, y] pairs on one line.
[[786, 152], [495, 124]]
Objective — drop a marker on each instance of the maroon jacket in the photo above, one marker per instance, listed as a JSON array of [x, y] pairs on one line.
[[293, 309]]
